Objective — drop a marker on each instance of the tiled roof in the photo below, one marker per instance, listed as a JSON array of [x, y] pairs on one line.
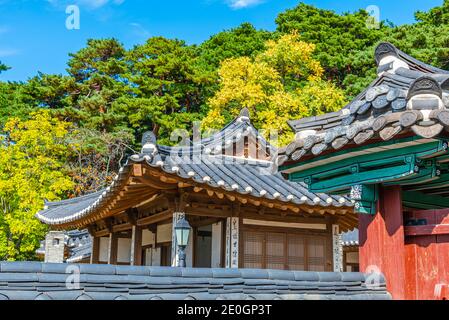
[[78, 244], [407, 97], [350, 238], [45, 281], [203, 163]]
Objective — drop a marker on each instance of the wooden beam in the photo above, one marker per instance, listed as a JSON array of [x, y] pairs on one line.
[[137, 170], [204, 222], [220, 195], [122, 227], [102, 233], [155, 218], [95, 254], [153, 183], [204, 212], [420, 200], [279, 218]]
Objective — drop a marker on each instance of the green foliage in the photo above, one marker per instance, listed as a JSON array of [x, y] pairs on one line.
[[169, 87], [281, 83], [243, 41], [436, 16], [31, 170], [111, 95], [337, 37], [3, 67], [14, 102]]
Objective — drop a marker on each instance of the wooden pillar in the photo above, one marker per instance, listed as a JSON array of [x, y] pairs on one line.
[[95, 255], [113, 247], [381, 238], [136, 246]]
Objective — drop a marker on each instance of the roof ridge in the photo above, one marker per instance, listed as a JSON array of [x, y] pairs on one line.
[[385, 48], [75, 199]]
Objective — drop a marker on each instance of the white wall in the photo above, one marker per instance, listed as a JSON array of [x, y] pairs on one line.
[[147, 237], [124, 250], [163, 233], [152, 257], [103, 250], [156, 257]]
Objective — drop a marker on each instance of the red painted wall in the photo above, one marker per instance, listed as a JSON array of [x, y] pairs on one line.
[[381, 241], [427, 255]]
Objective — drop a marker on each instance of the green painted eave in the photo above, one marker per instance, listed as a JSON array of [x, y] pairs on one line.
[[357, 149], [418, 200], [407, 165]]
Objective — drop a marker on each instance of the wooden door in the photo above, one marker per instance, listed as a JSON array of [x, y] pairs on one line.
[[296, 252], [275, 247], [316, 253], [253, 250], [284, 250]]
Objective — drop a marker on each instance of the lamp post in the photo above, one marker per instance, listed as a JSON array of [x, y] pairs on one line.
[[182, 229]]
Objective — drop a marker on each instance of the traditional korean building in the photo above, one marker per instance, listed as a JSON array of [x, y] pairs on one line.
[[388, 150], [242, 212]]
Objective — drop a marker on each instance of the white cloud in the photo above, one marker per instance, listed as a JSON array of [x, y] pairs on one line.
[[93, 3], [140, 30], [8, 52], [90, 4], [239, 4]]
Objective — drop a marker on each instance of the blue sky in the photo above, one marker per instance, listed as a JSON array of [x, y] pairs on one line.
[[34, 37]]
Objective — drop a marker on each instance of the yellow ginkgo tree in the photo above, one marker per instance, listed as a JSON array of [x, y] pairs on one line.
[[32, 154], [283, 82]]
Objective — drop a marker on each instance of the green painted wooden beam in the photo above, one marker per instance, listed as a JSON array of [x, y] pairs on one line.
[[411, 165], [387, 156], [441, 182], [365, 198], [423, 175], [366, 177], [420, 200]]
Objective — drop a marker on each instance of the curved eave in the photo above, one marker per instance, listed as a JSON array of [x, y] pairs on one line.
[[118, 183], [102, 207]]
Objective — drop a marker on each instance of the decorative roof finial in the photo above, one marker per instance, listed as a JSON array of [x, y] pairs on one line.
[[149, 143], [383, 50], [244, 114], [425, 85]]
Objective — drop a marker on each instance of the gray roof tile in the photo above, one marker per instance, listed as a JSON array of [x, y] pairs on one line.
[[101, 282]]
